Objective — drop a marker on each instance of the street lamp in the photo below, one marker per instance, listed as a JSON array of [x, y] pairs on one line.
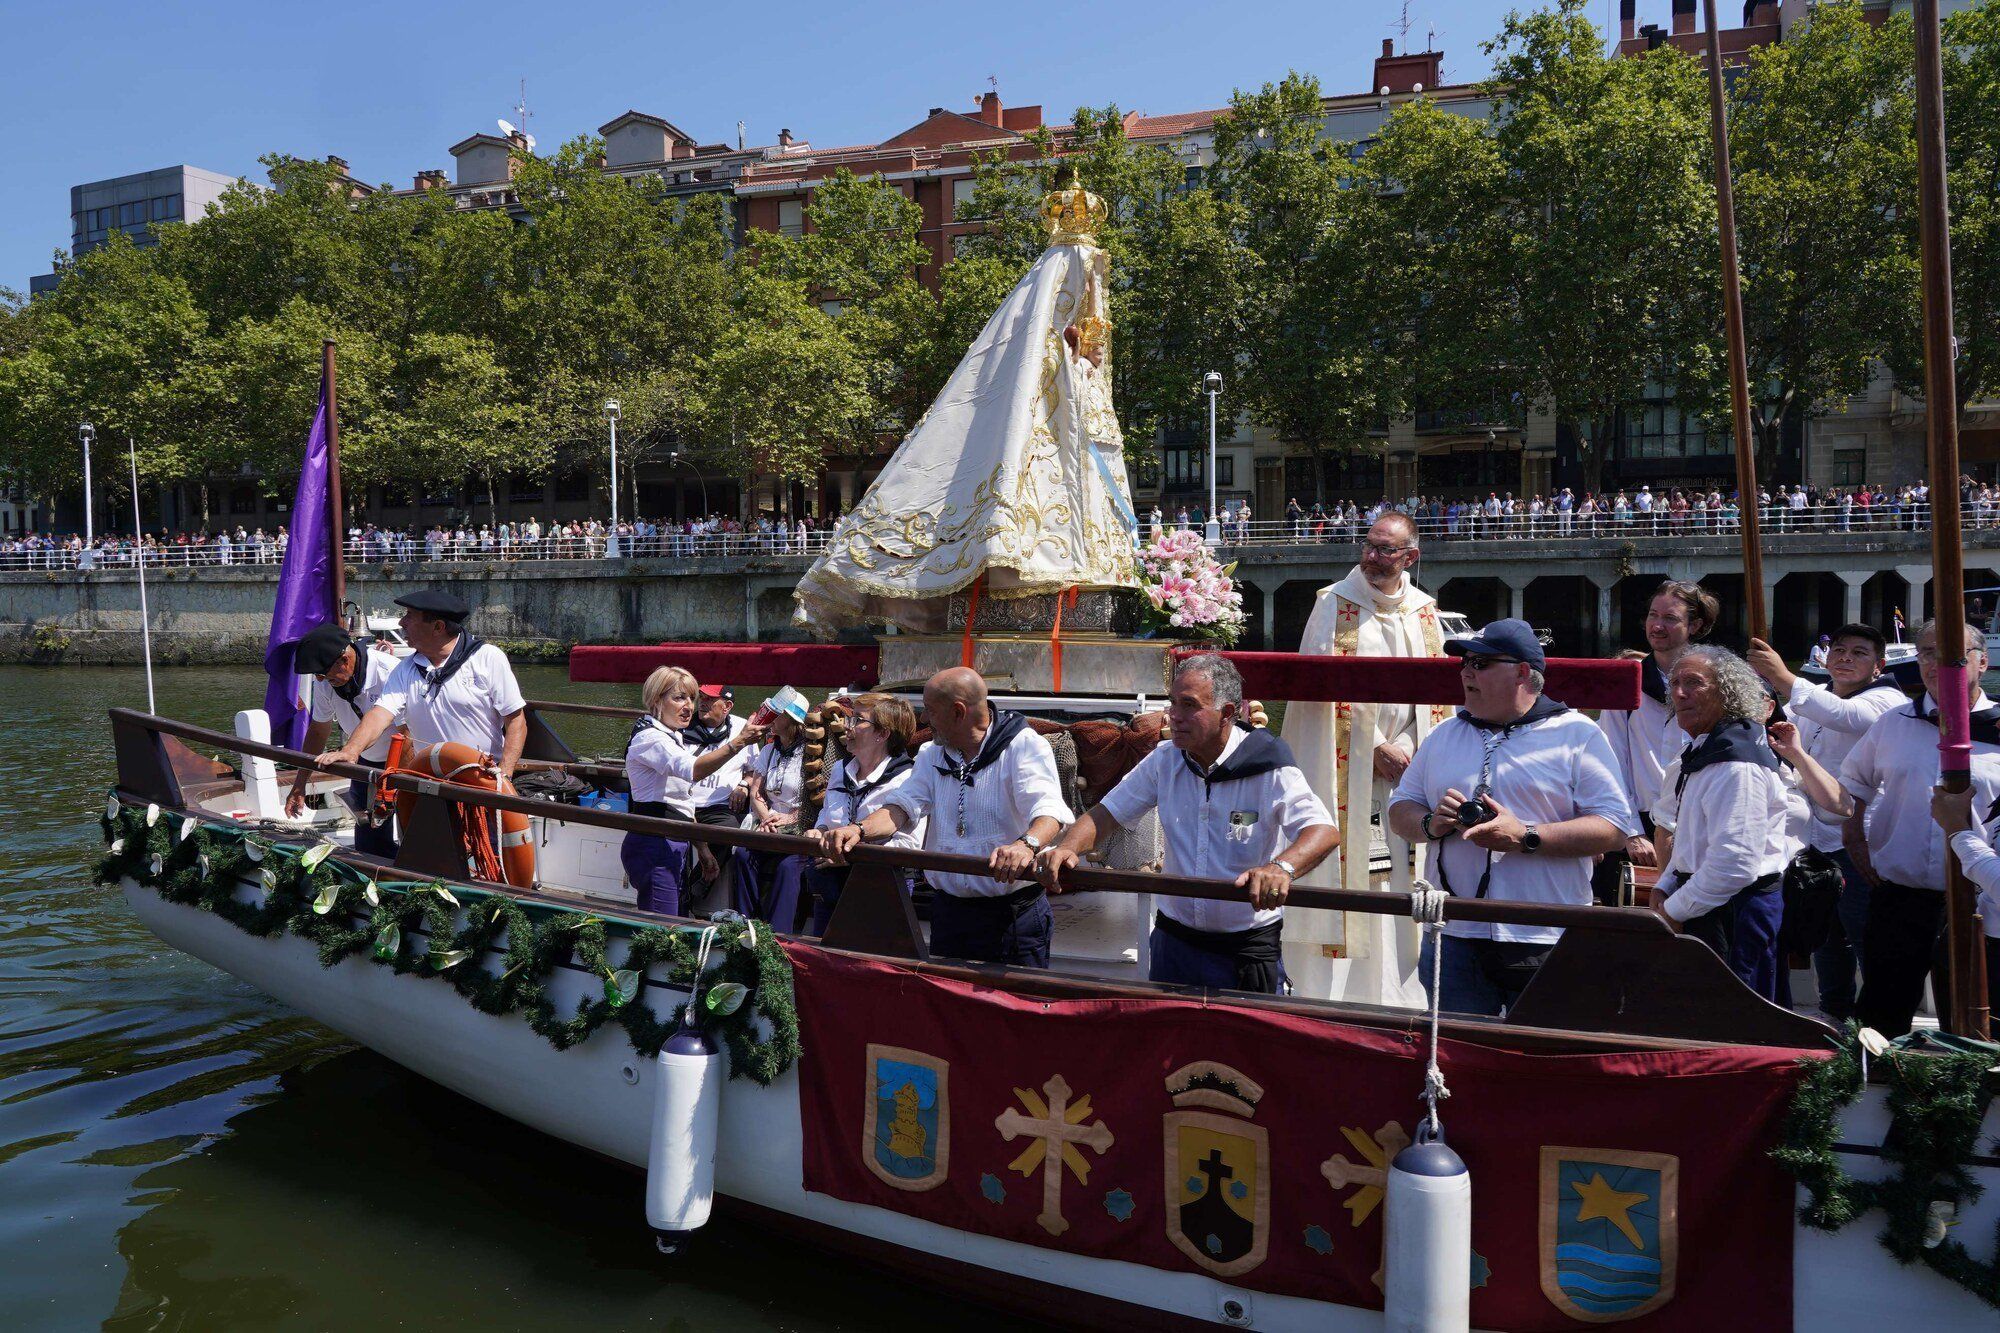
[[1211, 384], [87, 432], [611, 539], [674, 460]]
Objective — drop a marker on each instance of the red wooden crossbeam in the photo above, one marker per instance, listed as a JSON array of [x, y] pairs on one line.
[[1581, 682]]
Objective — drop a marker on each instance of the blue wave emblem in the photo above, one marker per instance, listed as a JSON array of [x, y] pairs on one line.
[[1612, 1250]]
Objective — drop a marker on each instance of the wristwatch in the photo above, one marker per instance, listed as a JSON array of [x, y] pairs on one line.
[[1034, 843], [1285, 866], [1531, 841]]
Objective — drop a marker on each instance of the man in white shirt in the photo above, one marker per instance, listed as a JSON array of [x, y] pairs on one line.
[[718, 798], [1884, 794], [454, 688], [1724, 882], [1972, 841], [1233, 805], [1831, 720], [348, 678], [986, 785], [1644, 740], [1518, 793]]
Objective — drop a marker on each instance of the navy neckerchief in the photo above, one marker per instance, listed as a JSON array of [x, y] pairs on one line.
[[705, 738], [1652, 680], [1543, 707], [1256, 754], [1985, 722], [351, 691], [853, 787], [461, 652], [999, 736], [647, 722], [1734, 740]]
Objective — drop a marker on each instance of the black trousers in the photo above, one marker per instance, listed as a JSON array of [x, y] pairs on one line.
[[1900, 942]]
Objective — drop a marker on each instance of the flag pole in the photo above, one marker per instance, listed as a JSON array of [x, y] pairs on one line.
[[336, 511], [1966, 1009], [1750, 515]]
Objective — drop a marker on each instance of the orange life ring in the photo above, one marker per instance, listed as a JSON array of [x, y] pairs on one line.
[[513, 862]]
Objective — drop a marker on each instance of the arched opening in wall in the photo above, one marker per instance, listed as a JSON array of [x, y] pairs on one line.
[[1566, 606], [1881, 597], [1294, 608], [1253, 618], [1477, 599]]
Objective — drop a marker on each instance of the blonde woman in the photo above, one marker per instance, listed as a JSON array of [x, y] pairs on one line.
[[661, 768]]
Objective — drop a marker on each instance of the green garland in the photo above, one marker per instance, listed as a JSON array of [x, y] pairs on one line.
[[1936, 1104], [747, 1002]]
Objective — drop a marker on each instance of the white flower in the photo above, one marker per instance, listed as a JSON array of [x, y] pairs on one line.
[[187, 827], [152, 815], [117, 846], [157, 865]]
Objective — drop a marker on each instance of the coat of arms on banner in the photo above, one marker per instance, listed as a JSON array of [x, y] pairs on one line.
[[1218, 1168], [1610, 1231], [906, 1132]]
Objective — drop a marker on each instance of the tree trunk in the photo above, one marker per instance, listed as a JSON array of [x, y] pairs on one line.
[[204, 506], [1768, 432]]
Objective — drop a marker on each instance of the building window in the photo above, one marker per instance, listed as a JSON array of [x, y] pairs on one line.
[[792, 217], [573, 486], [1225, 470], [961, 194], [1191, 179], [243, 500], [1662, 430], [525, 489], [1182, 468], [1850, 467]]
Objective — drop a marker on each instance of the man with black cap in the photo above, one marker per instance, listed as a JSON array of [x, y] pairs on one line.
[[347, 681], [456, 687], [1518, 793]]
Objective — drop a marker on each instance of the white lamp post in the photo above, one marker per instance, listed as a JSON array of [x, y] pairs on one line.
[[87, 432], [611, 538], [1211, 384]]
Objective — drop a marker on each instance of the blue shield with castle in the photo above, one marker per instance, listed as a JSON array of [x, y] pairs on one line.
[[906, 1130], [1610, 1231]]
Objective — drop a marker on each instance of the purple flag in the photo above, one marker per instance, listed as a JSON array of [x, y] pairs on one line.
[[305, 590]]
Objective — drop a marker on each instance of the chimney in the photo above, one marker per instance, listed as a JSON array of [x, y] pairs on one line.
[[1413, 71], [430, 180], [337, 163], [1628, 19], [1388, 47], [784, 138], [1654, 36], [1683, 16], [518, 140], [1758, 13], [989, 109]]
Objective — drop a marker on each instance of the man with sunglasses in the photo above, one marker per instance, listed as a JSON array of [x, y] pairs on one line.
[[348, 677], [1516, 795], [1376, 611]]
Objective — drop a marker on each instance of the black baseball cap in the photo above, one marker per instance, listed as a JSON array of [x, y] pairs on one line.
[[1503, 638], [319, 648], [433, 603]]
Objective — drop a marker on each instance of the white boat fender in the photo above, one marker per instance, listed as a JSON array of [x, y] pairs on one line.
[[680, 1162], [1427, 1247]]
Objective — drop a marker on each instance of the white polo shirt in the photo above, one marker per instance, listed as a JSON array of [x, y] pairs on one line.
[[1217, 831], [1732, 827], [327, 705], [843, 806], [1893, 768], [1556, 769], [659, 764], [1003, 799], [1830, 727], [469, 708], [715, 788]]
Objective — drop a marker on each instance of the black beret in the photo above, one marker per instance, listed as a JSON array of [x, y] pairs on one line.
[[433, 603], [320, 648]]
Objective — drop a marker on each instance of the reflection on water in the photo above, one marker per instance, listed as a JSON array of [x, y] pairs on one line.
[[178, 1151]]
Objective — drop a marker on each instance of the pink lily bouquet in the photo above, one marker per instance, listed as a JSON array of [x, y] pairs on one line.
[[1188, 594]]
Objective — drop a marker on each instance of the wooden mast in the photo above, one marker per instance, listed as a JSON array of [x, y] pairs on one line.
[[336, 510], [1739, 362], [1966, 1008]]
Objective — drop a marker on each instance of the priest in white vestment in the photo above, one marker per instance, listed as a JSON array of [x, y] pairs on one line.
[[1353, 755], [1015, 478]]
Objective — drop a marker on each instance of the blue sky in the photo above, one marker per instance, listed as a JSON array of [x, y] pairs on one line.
[[104, 89]]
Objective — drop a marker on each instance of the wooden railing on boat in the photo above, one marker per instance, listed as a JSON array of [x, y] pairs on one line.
[[1618, 976]]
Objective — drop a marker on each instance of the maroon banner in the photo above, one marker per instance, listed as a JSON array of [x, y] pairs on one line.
[[802, 664], [1252, 1146]]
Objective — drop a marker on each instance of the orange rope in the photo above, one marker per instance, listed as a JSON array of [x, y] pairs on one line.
[[966, 651], [1067, 595]]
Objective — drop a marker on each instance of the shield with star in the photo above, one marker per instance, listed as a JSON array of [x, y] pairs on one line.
[[1610, 1231]]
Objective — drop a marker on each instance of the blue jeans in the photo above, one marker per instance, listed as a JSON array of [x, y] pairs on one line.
[[767, 887], [1836, 961], [1481, 976]]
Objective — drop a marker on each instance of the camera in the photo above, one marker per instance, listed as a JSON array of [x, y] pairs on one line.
[[1474, 811]]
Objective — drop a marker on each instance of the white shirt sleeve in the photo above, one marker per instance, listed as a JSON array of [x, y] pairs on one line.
[[1617, 730], [1597, 786], [663, 754], [1038, 787], [395, 694], [1818, 703], [1139, 790], [322, 701], [1667, 810], [1982, 866], [1735, 813], [1415, 784], [507, 697], [1297, 808], [915, 795]]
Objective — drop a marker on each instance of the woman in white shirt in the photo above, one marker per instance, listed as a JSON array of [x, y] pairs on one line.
[[660, 767], [775, 779], [880, 742]]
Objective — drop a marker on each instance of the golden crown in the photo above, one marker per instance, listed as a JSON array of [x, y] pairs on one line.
[[1073, 214]]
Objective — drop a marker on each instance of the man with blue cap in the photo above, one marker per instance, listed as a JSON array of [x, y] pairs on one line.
[[1516, 793], [455, 688]]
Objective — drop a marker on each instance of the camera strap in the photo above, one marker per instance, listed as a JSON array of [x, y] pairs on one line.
[[1491, 738]]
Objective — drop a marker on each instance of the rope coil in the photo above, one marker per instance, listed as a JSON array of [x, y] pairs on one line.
[[1427, 910]]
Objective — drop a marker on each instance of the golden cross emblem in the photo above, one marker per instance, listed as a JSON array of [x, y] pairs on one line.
[[1370, 1182], [1057, 1128]]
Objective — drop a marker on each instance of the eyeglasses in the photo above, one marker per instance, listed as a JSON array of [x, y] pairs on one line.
[[1377, 548], [1481, 663]]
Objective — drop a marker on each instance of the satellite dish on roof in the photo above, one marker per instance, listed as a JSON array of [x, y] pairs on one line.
[[531, 140], [507, 128]]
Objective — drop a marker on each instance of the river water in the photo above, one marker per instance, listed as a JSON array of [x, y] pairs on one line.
[[179, 1151]]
